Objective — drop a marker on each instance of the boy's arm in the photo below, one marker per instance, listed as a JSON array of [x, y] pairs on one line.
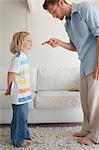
[[10, 77], [55, 42]]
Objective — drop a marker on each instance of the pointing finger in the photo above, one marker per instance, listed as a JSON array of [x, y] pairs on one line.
[[46, 42]]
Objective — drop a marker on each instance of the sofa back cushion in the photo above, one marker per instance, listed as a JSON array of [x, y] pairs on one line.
[[33, 75], [58, 79], [48, 78]]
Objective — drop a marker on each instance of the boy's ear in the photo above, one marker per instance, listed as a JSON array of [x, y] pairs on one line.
[[61, 2]]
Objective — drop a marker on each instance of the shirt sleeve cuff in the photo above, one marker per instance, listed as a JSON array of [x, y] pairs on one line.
[[95, 32]]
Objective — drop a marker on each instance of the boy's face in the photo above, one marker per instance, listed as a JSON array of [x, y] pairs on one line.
[[27, 43], [56, 11]]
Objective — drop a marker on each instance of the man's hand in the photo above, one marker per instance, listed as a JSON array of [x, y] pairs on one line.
[[96, 72], [53, 42], [96, 69]]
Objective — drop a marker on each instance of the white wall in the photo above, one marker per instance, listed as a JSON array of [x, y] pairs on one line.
[[42, 26], [14, 16]]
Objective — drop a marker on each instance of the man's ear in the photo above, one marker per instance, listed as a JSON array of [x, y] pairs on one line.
[[61, 2]]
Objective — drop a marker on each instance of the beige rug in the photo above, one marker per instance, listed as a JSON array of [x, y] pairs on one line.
[[47, 137]]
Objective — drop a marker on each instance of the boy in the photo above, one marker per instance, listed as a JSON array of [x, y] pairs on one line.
[[21, 94]]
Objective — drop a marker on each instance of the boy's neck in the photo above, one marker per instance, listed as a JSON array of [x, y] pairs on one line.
[[25, 51]]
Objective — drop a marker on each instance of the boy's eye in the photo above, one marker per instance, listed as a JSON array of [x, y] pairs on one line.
[[28, 40]]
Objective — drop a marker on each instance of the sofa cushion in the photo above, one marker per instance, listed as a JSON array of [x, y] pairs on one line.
[[6, 104], [33, 75], [58, 79], [57, 99]]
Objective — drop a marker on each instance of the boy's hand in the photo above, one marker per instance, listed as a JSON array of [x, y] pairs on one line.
[[53, 42], [8, 92]]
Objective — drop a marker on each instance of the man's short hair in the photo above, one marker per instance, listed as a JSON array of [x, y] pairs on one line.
[[48, 2]]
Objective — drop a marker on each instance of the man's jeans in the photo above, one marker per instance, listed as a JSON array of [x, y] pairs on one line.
[[19, 128]]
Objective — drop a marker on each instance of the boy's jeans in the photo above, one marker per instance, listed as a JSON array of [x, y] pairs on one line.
[[19, 128]]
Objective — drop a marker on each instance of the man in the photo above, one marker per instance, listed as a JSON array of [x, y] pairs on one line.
[[82, 26]]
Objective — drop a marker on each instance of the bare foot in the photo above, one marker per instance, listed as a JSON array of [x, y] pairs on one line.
[[29, 138], [77, 134], [26, 143], [85, 141]]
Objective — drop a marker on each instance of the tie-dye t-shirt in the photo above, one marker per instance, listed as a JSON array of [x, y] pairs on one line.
[[21, 89]]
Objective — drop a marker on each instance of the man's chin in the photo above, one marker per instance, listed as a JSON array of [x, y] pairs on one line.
[[61, 18]]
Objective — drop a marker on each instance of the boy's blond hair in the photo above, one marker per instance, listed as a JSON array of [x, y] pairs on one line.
[[17, 41]]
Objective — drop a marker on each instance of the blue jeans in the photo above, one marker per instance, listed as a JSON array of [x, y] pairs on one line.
[[19, 128]]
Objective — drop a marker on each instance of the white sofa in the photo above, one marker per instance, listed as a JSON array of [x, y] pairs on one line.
[[56, 97]]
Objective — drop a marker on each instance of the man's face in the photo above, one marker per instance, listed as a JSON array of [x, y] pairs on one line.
[[56, 11]]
